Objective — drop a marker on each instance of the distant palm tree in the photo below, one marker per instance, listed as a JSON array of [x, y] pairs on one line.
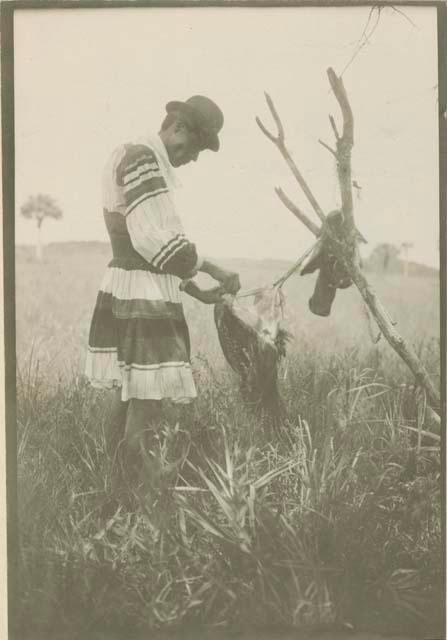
[[38, 208], [385, 256]]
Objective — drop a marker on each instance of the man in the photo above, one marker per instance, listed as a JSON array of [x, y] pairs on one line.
[[139, 340]]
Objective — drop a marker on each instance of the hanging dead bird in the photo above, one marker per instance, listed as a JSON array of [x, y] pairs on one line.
[[253, 343], [332, 273]]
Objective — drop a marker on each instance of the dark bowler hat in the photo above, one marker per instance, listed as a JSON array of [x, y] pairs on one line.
[[206, 116]]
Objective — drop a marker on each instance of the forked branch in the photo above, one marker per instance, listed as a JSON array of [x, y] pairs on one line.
[[346, 247], [279, 142], [279, 138]]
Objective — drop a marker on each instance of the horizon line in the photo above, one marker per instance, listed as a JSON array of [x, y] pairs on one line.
[[233, 257]]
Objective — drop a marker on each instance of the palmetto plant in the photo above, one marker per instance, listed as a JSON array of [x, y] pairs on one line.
[[38, 208], [274, 573], [234, 489]]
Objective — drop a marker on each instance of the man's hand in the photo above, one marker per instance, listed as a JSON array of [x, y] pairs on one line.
[[231, 282], [229, 279], [207, 296], [211, 296]]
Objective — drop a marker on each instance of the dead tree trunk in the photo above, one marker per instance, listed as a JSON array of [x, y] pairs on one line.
[[346, 247]]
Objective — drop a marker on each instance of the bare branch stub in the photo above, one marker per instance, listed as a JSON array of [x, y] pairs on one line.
[[326, 146], [313, 228], [276, 117], [334, 127]]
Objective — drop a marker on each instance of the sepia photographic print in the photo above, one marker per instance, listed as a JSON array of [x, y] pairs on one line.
[[224, 247]]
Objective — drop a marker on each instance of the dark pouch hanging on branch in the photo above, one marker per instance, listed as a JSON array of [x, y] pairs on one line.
[[332, 274]]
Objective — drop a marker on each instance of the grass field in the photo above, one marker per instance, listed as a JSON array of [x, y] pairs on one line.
[[335, 519]]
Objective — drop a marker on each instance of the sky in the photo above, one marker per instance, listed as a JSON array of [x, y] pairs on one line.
[[87, 80]]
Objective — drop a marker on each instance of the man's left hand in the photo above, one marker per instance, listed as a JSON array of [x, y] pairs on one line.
[[231, 282], [229, 279]]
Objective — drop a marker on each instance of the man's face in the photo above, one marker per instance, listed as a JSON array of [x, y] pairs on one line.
[[184, 145]]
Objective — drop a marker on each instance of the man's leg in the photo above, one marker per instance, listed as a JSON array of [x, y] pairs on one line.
[[142, 424], [115, 424], [113, 430]]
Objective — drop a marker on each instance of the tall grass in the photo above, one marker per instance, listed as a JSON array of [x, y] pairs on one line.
[[334, 519]]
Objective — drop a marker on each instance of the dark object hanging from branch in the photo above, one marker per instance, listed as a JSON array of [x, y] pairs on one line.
[[332, 274]]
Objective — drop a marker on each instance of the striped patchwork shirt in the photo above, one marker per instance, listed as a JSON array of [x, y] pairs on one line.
[[137, 183]]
